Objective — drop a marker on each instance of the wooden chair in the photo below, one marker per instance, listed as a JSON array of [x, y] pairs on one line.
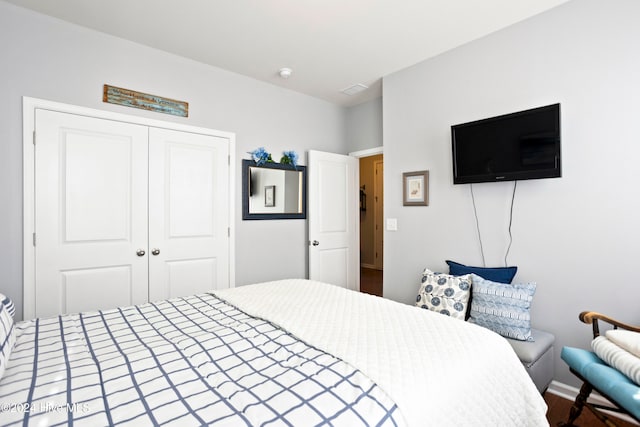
[[623, 393]]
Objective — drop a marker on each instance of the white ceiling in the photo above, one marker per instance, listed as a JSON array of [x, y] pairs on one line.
[[329, 44]]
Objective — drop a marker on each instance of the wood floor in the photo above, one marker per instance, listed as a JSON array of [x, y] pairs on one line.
[[371, 281], [559, 410]]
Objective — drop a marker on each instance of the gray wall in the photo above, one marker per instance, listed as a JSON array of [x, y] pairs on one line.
[[576, 236], [364, 125], [42, 57]]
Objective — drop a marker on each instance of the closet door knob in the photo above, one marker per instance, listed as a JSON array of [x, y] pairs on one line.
[[140, 252], [155, 251], [315, 243]]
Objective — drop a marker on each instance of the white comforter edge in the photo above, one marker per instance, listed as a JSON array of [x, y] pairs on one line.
[[440, 371]]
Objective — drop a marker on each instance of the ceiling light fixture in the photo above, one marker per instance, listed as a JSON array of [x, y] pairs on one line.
[[352, 90], [285, 73]]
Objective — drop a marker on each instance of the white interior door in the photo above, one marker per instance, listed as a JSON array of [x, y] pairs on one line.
[[334, 254], [188, 213], [91, 215]]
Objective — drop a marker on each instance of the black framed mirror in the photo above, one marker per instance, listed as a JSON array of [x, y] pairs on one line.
[[273, 191]]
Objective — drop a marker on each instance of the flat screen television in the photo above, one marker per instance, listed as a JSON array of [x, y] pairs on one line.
[[511, 147]]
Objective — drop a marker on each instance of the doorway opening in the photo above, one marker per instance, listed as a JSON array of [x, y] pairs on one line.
[[371, 220]]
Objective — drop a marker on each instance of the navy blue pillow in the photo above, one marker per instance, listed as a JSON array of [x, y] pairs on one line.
[[495, 274]]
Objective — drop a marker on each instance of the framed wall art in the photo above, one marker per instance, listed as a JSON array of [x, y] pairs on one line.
[[270, 195], [415, 188]]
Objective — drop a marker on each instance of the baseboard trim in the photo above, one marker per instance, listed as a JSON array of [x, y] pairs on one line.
[[568, 392], [370, 266]]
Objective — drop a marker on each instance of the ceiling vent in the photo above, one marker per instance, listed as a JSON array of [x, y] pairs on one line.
[[352, 90]]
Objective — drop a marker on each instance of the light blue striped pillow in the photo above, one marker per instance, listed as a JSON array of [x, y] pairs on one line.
[[503, 308]]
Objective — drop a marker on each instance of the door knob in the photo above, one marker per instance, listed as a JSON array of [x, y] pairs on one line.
[[155, 251], [140, 252], [315, 243]]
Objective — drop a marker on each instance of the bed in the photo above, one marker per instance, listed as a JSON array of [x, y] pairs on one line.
[[290, 352]]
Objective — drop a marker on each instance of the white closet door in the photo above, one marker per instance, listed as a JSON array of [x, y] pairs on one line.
[[91, 213], [188, 213]]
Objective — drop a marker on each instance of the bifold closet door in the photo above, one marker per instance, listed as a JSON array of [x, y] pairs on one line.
[[91, 213], [188, 213], [126, 214]]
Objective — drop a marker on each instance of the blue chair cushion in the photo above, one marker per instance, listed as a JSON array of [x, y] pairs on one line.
[[604, 378]]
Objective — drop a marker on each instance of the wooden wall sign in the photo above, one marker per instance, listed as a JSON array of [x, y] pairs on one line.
[[131, 98]]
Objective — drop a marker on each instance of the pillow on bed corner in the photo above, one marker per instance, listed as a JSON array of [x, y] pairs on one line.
[[503, 308], [495, 274], [7, 331], [444, 293]]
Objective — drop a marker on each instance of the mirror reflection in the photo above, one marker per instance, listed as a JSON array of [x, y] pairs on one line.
[[273, 191]]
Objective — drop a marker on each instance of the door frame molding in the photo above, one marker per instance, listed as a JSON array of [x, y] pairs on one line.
[[378, 216], [368, 152], [29, 106]]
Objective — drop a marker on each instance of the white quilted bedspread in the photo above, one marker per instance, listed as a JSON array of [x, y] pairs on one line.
[[439, 371]]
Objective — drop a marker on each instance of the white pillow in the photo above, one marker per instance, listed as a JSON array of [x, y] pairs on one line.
[[628, 340], [617, 357], [7, 331]]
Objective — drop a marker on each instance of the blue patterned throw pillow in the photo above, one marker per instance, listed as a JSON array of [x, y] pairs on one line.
[[444, 293], [503, 308]]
